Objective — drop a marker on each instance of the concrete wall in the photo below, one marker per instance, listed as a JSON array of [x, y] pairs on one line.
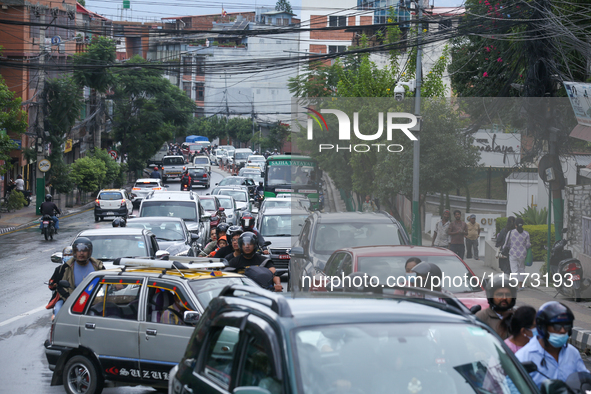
[[520, 194], [577, 203]]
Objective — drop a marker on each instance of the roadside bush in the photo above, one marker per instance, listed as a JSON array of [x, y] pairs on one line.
[[531, 215], [538, 235], [88, 173], [16, 200], [500, 224]]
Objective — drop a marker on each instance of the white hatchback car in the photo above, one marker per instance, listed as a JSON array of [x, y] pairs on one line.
[[111, 203]]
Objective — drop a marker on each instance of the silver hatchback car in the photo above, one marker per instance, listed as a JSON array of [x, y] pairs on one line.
[[131, 325]]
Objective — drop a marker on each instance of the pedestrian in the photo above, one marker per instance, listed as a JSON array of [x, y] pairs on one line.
[[518, 242], [522, 328], [549, 350], [500, 241], [457, 231], [501, 297], [369, 205], [441, 234], [472, 238], [19, 184]]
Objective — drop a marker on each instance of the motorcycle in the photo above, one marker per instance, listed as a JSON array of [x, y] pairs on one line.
[[186, 186], [28, 197], [258, 200], [568, 269], [48, 227]]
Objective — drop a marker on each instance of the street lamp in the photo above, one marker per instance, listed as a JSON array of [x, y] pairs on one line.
[[416, 218]]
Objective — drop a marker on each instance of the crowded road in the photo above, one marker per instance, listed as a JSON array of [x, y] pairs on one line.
[[25, 266]]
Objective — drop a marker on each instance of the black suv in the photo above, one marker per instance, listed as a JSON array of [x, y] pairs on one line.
[[323, 233], [253, 341]]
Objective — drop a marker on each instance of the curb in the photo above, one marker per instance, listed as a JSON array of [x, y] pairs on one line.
[[7, 229], [581, 338], [36, 221]]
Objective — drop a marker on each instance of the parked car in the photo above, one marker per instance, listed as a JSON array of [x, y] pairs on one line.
[[264, 342], [179, 205], [111, 327], [323, 233], [240, 195], [281, 226], [388, 261], [172, 234], [200, 176], [111, 203], [230, 208], [203, 161], [143, 187]]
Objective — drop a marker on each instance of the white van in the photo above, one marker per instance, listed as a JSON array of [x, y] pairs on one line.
[[157, 158]]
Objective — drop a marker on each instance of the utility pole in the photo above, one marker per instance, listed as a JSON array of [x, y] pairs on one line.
[[416, 212], [40, 143], [252, 117]]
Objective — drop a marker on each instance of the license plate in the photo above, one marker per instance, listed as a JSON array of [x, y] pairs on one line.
[[45, 222], [576, 277], [284, 257], [110, 213], [174, 173]]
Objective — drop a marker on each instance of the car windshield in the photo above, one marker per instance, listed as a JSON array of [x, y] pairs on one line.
[[112, 246], [226, 203], [426, 358], [289, 175], [146, 185], [178, 209], [257, 158], [197, 172], [165, 231], [282, 225], [283, 203], [241, 155], [208, 204], [110, 196], [231, 180], [238, 195], [201, 160], [332, 236], [451, 267], [173, 160], [207, 289]]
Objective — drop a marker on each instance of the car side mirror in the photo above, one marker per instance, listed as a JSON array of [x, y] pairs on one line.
[[194, 237], [475, 309], [217, 184], [529, 366], [297, 251], [267, 243], [206, 217], [63, 283], [57, 257], [162, 255], [191, 317], [553, 386], [250, 390], [166, 186]]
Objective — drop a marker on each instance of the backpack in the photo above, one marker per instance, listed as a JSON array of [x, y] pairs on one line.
[[261, 275]]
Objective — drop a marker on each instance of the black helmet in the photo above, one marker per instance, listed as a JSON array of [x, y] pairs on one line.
[[553, 312], [232, 231], [247, 221], [48, 197], [81, 244], [500, 281], [119, 222], [261, 183], [248, 238], [430, 271], [222, 228]]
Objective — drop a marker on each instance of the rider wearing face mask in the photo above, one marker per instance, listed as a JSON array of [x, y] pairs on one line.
[[551, 353]]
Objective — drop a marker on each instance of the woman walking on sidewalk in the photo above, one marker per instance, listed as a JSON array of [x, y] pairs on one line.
[[501, 238], [518, 242]]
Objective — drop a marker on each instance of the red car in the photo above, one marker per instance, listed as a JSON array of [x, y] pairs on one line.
[[388, 261]]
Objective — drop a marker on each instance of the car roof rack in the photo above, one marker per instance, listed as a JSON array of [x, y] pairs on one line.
[[279, 303], [180, 263]]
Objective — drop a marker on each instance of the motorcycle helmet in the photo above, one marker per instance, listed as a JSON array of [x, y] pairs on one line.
[[428, 271], [248, 238], [48, 197], [260, 183], [82, 244], [67, 253], [232, 231], [553, 312], [247, 221], [155, 168], [222, 228], [500, 281], [579, 382], [119, 222]]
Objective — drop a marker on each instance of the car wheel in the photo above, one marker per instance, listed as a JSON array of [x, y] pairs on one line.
[[81, 377], [102, 218], [96, 218]]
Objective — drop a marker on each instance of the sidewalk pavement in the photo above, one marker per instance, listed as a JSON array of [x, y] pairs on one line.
[[536, 296]]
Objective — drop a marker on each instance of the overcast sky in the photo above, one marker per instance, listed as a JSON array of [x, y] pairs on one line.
[[151, 10]]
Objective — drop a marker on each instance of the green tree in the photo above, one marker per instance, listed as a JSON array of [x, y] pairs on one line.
[[12, 120], [92, 68], [283, 5], [113, 168], [240, 129], [88, 173]]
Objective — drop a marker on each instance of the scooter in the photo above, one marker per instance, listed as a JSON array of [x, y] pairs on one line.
[[48, 227], [185, 187], [258, 200], [569, 269], [28, 197]]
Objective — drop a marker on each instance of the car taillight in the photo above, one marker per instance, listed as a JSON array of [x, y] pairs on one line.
[[122, 203], [97, 202], [136, 188], [156, 188], [572, 267], [204, 175]]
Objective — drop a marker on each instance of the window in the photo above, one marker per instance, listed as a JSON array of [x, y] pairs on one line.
[[187, 65], [337, 20], [117, 298], [220, 355], [187, 88], [200, 92], [258, 370], [200, 67], [336, 48], [161, 306]]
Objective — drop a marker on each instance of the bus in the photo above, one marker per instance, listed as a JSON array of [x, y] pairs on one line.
[[294, 174]]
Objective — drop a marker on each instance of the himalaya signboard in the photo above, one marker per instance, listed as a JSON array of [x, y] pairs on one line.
[[498, 149]]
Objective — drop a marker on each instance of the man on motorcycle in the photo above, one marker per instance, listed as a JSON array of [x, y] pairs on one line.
[[248, 242], [75, 269], [232, 235], [155, 174], [260, 188], [49, 208], [247, 224], [501, 300], [549, 349], [186, 180]]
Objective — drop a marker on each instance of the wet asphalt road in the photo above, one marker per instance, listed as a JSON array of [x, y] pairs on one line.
[[24, 322]]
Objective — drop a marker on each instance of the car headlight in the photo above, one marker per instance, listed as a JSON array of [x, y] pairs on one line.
[[230, 215]]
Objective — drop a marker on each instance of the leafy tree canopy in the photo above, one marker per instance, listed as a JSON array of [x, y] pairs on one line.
[[283, 5], [88, 173]]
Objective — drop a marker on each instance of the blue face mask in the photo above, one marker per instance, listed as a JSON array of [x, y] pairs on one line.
[[411, 278], [558, 340], [534, 333]]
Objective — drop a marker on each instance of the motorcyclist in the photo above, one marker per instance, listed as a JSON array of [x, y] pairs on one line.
[[186, 180], [67, 254], [247, 224], [119, 222], [260, 188], [49, 208], [549, 350], [232, 236], [155, 174], [247, 243], [210, 247], [75, 269], [501, 300]]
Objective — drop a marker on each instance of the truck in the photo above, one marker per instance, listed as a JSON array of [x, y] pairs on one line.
[[157, 158], [172, 167]]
